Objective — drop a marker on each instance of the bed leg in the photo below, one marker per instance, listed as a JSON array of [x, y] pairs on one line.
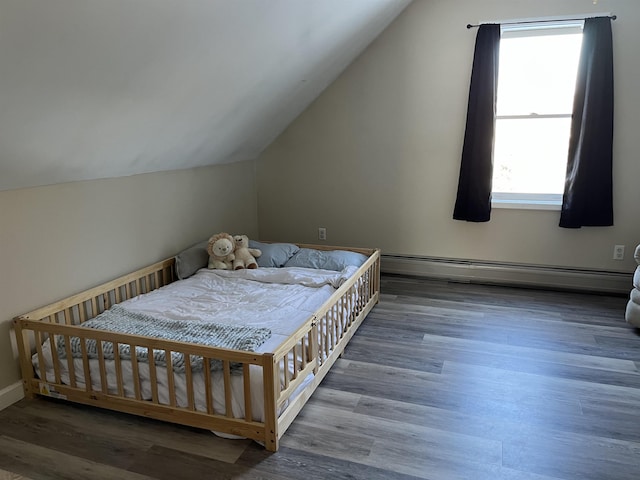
[[273, 444], [24, 351], [271, 385], [28, 394]]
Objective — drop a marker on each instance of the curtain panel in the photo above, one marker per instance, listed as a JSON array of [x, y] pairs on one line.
[[588, 191], [473, 201]]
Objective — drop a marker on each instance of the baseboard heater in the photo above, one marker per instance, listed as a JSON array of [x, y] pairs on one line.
[[504, 273]]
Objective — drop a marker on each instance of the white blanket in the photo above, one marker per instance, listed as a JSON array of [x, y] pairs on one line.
[[280, 299]]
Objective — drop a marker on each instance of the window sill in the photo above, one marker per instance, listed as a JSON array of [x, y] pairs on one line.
[[527, 204]]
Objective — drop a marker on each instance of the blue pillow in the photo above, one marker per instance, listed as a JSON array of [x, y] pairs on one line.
[[273, 254], [326, 260], [191, 260]]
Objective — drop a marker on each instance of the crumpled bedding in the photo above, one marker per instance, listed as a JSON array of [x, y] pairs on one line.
[[307, 277], [280, 299]]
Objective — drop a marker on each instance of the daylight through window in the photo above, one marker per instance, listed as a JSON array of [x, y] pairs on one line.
[[537, 75]]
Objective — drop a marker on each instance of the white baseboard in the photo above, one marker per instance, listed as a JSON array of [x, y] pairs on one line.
[[11, 394], [541, 276]]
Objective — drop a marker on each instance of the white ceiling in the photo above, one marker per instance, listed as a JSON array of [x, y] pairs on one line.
[[107, 88]]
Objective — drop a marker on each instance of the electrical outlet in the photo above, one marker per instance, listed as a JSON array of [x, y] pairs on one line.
[[322, 233], [618, 252]]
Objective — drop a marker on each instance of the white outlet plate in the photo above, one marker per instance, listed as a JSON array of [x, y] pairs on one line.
[[322, 233], [618, 252]]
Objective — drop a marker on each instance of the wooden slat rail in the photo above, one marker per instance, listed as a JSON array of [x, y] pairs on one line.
[[207, 385], [91, 391], [118, 364], [153, 377], [38, 340], [329, 323], [70, 364], [170, 378], [339, 318], [246, 380], [327, 341], [189, 379], [135, 372], [92, 295], [312, 349]]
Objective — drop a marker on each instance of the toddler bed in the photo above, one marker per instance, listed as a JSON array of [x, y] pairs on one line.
[[148, 349]]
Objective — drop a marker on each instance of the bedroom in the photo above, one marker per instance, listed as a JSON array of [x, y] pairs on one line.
[[397, 170]]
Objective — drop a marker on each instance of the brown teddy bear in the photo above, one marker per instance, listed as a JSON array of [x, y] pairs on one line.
[[245, 256], [220, 249]]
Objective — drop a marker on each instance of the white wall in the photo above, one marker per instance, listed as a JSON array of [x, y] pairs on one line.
[[104, 89], [375, 159], [58, 240]]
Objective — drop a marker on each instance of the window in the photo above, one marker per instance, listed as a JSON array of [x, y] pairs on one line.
[[536, 81]]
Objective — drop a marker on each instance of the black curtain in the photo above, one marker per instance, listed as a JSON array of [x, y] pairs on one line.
[[473, 202], [588, 191]]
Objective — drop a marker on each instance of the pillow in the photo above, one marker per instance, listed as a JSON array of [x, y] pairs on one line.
[[273, 254], [326, 260], [191, 260]]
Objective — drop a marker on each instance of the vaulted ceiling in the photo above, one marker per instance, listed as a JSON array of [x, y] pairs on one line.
[[96, 89]]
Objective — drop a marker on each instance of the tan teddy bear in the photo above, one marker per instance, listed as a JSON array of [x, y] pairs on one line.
[[220, 249], [245, 256]]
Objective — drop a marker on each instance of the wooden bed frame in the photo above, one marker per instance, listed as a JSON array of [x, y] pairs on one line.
[[313, 348]]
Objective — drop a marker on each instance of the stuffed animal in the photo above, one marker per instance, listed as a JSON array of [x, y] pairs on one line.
[[220, 249], [245, 256]]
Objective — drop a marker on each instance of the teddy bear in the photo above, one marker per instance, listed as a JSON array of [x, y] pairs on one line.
[[245, 256], [220, 249]]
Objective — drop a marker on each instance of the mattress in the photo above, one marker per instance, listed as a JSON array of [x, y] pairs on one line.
[[280, 299]]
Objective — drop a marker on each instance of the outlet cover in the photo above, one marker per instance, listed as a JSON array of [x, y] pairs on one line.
[[618, 252]]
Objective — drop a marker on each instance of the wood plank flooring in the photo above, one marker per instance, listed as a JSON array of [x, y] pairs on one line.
[[442, 381]]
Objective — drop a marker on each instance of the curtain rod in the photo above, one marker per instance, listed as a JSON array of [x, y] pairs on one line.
[[612, 17]]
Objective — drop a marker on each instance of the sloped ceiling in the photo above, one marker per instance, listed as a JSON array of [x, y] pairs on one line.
[[107, 88]]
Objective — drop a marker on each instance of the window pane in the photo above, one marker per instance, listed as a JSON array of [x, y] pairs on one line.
[[538, 74], [530, 155]]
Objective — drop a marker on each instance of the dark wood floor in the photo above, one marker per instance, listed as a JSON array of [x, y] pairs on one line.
[[443, 381]]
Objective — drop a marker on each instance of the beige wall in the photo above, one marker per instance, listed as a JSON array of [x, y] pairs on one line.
[[375, 159], [60, 239]]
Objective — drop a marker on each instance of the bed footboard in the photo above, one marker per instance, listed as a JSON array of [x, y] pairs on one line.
[[160, 391]]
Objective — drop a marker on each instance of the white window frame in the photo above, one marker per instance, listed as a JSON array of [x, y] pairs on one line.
[[533, 201], [527, 201]]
